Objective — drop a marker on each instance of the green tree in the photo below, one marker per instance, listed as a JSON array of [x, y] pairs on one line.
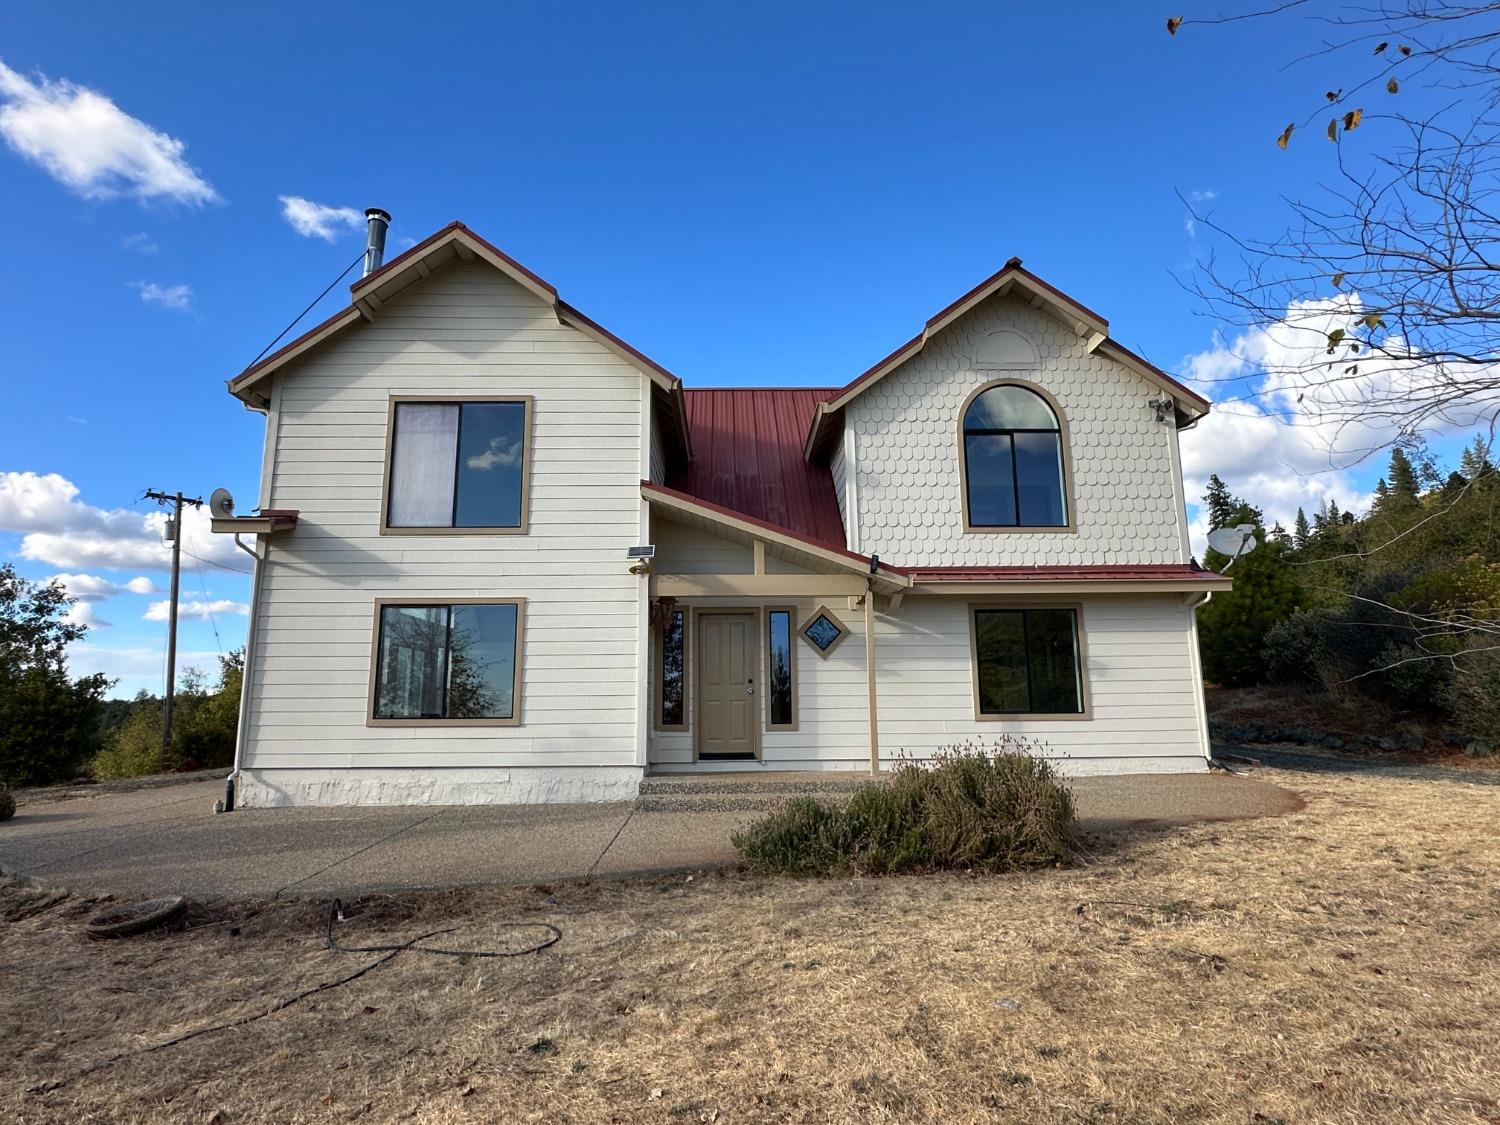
[[1233, 626], [49, 723], [1475, 462], [1301, 533], [1219, 503], [1403, 477], [205, 723]]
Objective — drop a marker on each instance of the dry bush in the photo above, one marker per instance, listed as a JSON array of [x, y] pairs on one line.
[[970, 808]]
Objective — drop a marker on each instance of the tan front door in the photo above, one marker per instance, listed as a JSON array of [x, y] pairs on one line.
[[728, 696]]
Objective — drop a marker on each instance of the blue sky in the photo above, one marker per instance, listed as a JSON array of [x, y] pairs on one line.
[[776, 194]]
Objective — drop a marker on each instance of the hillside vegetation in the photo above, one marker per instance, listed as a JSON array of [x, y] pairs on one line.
[[1399, 604]]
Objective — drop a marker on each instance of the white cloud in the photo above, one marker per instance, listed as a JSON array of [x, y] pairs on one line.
[[59, 529], [1193, 198], [196, 611], [140, 242], [89, 144], [179, 297], [133, 668], [318, 220], [92, 588], [85, 614], [498, 453], [1295, 425]]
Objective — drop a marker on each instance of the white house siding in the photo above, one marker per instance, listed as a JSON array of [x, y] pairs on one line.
[[910, 507], [838, 466], [466, 330], [1140, 682], [832, 717], [1140, 685]]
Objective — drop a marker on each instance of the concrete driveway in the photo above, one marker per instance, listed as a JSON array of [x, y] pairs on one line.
[[167, 840]]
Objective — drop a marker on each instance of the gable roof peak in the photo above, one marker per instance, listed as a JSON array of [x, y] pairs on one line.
[[1011, 279]]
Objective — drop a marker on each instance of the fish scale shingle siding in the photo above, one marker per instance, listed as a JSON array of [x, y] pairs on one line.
[[910, 505]]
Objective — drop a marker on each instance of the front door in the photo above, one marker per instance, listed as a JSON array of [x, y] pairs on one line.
[[727, 692]]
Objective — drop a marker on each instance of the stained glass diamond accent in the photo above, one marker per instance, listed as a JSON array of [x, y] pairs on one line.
[[823, 631]]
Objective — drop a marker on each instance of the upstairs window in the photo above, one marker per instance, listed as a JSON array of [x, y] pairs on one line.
[[459, 466], [1012, 460]]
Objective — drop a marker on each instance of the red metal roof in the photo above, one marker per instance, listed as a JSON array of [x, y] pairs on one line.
[[747, 457]]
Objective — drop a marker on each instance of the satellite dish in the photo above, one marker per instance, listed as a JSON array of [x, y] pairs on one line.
[[221, 504], [1233, 541]]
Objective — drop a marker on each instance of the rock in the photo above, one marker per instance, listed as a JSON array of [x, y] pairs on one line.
[[1387, 744], [1478, 750], [1414, 742], [1333, 742], [1452, 738]]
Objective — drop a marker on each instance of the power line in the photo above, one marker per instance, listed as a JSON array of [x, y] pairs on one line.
[[210, 562], [307, 310], [208, 607]]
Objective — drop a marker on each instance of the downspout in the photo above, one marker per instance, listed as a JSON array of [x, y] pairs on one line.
[[1200, 691], [248, 674], [870, 675]]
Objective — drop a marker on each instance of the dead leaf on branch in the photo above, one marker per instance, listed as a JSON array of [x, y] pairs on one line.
[[1381, 47], [1392, 86], [1338, 280], [1333, 129], [1286, 135], [1173, 23], [1351, 119]]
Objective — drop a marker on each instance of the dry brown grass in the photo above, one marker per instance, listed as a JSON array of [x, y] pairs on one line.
[[1340, 964]]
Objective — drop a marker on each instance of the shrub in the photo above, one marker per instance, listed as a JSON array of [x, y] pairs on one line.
[[7, 804], [1472, 691], [1292, 649], [1000, 809]]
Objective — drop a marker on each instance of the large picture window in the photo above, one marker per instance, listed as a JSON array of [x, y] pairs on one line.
[[1027, 662], [1013, 460], [443, 663], [458, 465]]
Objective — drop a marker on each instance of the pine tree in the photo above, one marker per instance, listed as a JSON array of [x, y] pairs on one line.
[[1301, 533], [1219, 502], [1475, 462], [1403, 477], [1279, 534]]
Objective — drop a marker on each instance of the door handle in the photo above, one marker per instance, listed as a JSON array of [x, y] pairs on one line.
[[749, 687]]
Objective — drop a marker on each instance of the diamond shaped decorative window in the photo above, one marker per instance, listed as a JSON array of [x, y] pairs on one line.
[[824, 631]]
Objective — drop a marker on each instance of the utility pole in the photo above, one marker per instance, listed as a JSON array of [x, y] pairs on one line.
[[174, 532]]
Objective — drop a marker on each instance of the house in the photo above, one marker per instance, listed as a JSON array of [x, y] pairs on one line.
[[455, 600]]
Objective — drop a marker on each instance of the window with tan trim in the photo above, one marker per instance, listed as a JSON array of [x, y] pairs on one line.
[[781, 669], [671, 671], [1013, 460], [457, 466], [441, 663], [1028, 662]]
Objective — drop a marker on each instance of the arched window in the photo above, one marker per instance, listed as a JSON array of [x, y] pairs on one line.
[[1012, 460]]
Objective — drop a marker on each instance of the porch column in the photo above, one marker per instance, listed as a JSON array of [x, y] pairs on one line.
[[870, 679]]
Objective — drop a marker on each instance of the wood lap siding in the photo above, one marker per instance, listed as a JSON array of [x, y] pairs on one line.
[[1139, 681], [465, 331]]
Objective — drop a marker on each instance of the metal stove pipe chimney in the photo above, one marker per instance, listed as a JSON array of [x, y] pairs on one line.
[[376, 222]]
